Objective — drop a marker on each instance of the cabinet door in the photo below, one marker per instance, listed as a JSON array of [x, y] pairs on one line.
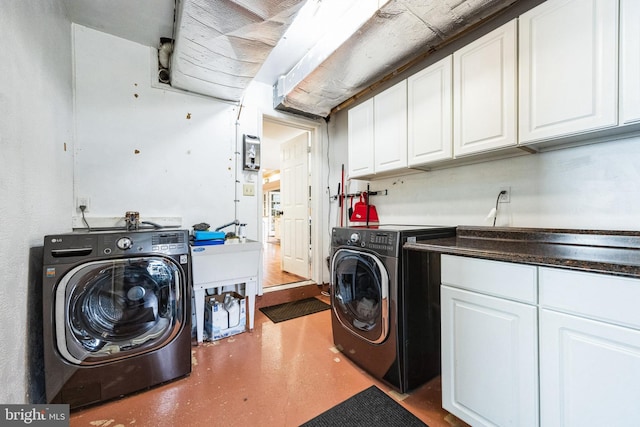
[[568, 68], [390, 124], [588, 372], [430, 123], [629, 61], [360, 145], [489, 359], [484, 93]]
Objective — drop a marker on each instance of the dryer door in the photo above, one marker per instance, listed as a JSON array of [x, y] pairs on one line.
[[360, 294], [107, 310]]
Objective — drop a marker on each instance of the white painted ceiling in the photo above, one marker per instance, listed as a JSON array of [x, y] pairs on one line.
[[228, 32], [141, 21]]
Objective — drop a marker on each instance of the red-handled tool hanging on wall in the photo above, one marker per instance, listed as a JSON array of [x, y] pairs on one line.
[[339, 203], [360, 213], [364, 212], [341, 199]]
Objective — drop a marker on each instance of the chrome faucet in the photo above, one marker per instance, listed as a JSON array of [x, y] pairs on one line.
[[234, 222]]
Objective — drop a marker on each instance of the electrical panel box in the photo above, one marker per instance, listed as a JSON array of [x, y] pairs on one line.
[[251, 153]]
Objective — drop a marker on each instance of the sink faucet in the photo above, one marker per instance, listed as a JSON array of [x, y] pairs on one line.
[[234, 222]]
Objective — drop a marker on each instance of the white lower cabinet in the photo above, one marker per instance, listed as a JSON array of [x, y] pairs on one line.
[[567, 356], [489, 359], [489, 344], [589, 372], [589, 349]]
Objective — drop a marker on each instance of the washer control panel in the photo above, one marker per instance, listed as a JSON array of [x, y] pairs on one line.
[[168, 243], [383, 242], [75, 247], [386, 240]]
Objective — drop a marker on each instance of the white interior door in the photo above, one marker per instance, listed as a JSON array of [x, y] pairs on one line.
[[294, 198]]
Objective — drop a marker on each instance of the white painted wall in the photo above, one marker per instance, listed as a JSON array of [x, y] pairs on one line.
[[153, 150], [591, 187], [594, 186], [36, 170]]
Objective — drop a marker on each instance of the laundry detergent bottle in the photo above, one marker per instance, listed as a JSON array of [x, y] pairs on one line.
[[233, 308]]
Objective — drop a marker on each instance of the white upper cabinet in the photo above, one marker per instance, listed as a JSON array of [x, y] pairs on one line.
[[430, 123], [564, 73], [568, 68], [361, 139], [378, 134], [390, 128], [629, 61], [484, 92]]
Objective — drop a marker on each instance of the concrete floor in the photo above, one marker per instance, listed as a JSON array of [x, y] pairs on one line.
[[280, 374]]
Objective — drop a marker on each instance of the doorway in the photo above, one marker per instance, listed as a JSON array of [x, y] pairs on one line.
[[280, 240]]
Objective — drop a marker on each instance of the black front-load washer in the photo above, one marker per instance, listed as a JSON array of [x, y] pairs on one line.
[[385, 302], [117, 313]]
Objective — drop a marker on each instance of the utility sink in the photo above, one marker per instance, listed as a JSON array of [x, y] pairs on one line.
[[216, 266], [225, 262]]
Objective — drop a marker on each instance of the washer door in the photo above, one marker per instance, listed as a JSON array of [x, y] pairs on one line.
[[108, 310], [360, 294]]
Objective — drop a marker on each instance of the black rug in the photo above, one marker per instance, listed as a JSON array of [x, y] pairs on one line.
[[369, 408], [293, 309]]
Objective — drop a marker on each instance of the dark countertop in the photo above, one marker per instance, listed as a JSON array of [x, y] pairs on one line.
[[595, 251]]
